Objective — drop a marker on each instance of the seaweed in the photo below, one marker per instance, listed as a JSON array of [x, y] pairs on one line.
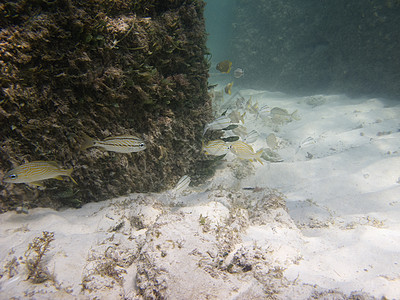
[[37, 273], [102, 68]]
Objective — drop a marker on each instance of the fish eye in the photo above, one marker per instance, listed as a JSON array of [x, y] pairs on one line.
[[141, 145], [13, 176]]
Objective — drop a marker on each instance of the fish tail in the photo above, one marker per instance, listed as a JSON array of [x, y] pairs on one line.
[[205, 130], [242, 117], [295, 115], [87, 142], [258, 156], [68, 173], [230, 66]]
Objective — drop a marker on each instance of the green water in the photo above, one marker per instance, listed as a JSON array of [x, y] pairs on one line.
[[219, 24]]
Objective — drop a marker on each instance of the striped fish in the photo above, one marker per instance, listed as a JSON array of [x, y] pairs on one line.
[[240, 131], [235, 116], [121, 144], [263, 112], [251, 137], [219, 123], [272, 142], [216, 147], [36, 171], [182, 184], [245, 151], [253, 109], [306, 142]]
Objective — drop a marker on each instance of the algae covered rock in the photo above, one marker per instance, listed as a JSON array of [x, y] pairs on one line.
[[71, 69]]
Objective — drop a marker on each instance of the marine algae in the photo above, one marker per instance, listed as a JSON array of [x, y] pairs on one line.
[[104, 67], [37, 273]]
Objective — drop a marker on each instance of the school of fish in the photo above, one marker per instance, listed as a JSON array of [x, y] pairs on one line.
[[238, 140]]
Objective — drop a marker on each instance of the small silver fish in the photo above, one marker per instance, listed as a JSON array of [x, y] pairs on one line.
[[121, 144], [36, 171], [236, 117], [240, 103], [306, 142], [280, 115], [245, 151], [216, 147], [240, 131], [272, 142], [182, 184], [251, 137], [238, 73], [253, 109], [219, 123], [263, 112]]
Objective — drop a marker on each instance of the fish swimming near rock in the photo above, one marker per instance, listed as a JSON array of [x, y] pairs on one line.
[[182, 184], [240, 131], [36, 171], [236, 116], [228, 88], [224, 66], [245, 151], [238, 73], [121, 144], [230, 139], [216, 147], [219, 123], [263, 112], [251, 137]]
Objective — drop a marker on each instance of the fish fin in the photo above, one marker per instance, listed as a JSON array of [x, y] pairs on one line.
[[242, 117], [230, 66], [249, 102], [295, 115], [36, 183], [202, 146], [69, 172], [58, 177], [205, 129], [258, 156], [54, 163], [87, 142]]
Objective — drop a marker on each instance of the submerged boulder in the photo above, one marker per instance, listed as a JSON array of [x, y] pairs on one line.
[[71, 69]]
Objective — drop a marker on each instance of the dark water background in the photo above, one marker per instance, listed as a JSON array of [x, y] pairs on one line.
[[308, 47]]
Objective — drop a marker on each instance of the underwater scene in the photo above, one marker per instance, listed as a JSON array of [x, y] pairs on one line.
[[190, 149]]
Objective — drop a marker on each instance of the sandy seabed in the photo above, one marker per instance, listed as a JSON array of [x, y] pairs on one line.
[[322, 222]]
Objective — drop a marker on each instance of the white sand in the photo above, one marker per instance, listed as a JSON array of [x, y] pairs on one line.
[[337, 233]]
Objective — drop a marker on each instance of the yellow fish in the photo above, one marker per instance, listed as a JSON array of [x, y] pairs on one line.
[[121, 144], [228, 88], [224, 66], [253, 109], [216, 147], [245, 151], [36, 171]]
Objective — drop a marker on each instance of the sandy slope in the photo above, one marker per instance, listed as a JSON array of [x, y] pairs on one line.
[[334, 231]]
